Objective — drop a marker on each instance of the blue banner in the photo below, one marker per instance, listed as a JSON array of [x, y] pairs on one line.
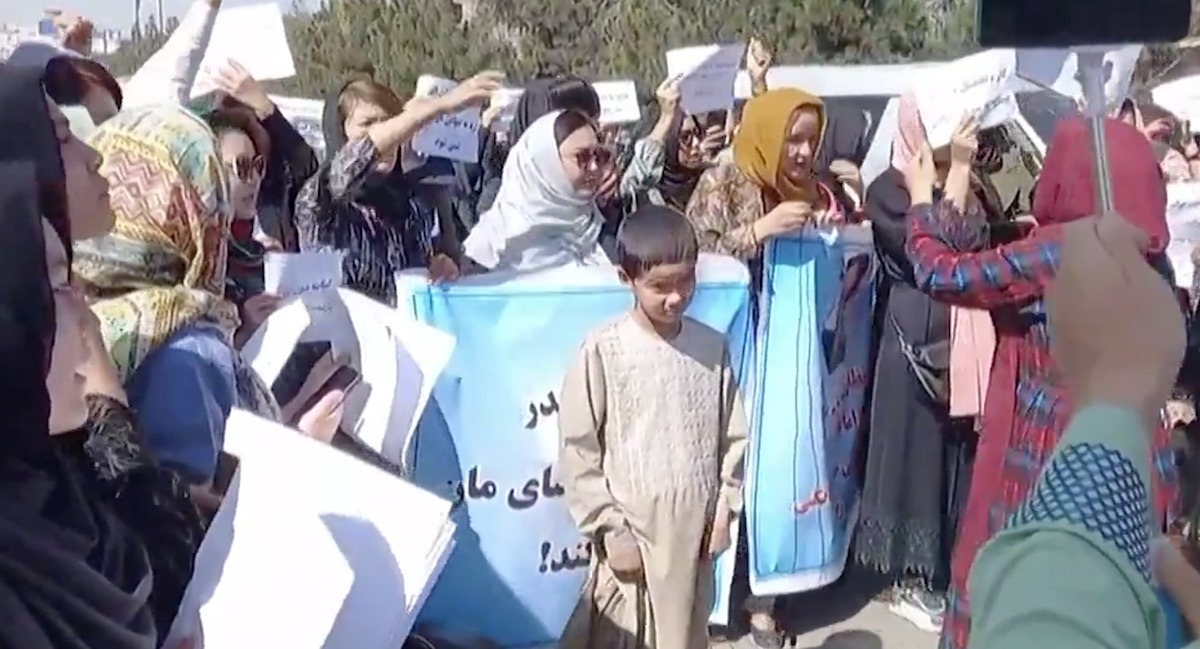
[[492, 439], [814, 346]]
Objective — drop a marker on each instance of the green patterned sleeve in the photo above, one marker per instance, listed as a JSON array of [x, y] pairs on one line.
[[1071, 568], [645, 167]]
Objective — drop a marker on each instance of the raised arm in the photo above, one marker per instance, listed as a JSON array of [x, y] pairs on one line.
[[168, 75], [939, 242]]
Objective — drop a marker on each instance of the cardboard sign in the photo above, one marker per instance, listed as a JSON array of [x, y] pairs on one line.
[[707, 76], [456, 136], [618, 102], [981, 85]]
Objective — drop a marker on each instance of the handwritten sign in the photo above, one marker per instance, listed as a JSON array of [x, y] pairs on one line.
[[364, 549], [618, 102], [980, 85], [1183, 222], [455, 136], [255, 37], [707, 76], [492, 439], [817, 306]]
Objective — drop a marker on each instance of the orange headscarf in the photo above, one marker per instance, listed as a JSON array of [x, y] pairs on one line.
[[758, 145]]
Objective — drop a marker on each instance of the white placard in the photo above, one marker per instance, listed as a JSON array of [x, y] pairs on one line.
[[1183, 223], [980, 84], [455, 136], [291, 274], [1182, 97], [255, 37], [506, 99], [707, 75], [268, 349], [618, 102], [363, 549]]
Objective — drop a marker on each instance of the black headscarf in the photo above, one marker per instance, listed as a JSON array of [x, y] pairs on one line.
[[678, 180], [542, 96], [71, 574], [845, 139]]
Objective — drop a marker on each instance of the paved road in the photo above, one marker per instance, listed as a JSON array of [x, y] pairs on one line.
[[845, 617]]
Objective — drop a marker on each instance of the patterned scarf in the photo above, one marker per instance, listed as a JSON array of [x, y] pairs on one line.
[[162, 269]]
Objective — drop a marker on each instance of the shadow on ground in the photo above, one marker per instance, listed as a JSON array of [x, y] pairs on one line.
[[818, 609], [850, 640]]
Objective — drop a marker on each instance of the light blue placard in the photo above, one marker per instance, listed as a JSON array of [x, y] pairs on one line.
[[519, 563], [814, 346]]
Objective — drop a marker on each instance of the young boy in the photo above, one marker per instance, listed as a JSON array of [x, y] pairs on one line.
[[652, 436]]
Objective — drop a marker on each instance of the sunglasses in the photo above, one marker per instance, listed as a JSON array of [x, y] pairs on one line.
[[594, 159], [246, 168]]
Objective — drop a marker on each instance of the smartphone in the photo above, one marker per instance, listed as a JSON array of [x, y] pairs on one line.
[[344, 378]]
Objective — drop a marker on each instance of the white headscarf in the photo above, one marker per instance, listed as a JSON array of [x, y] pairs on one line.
[[539, 220]]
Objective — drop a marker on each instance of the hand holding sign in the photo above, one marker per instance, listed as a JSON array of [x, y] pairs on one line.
[[668, 95], [965, 141], [980, 85], [758, 60], [920, 176], [474, 91]]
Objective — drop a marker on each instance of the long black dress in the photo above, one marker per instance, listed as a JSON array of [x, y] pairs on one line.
[[918, 461]]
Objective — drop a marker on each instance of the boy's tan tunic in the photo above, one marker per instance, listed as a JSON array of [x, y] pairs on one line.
[[652, 437]]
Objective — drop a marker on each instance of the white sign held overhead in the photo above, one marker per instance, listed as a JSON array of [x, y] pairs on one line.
[[980, 85], [707, 75], [618, 102], [253, 36], [454, 136]]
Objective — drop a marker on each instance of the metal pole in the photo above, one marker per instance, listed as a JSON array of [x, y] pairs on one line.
[[1090, 73]]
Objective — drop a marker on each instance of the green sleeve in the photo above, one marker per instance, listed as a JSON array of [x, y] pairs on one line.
[[645, 168], [1071, 568]]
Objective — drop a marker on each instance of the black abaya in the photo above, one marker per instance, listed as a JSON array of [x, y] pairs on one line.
[[917, 459]]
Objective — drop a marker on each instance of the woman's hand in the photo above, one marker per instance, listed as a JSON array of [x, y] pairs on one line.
[[668, 97], [758, 61], [964, 142], [848, 174], [788, 216], [322, 420], [100, 374], [236, 82], [920, 176], [255, 311], [475, 90], [442, 269]]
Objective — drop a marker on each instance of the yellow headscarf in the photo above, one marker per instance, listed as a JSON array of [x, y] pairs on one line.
[[758, 145]]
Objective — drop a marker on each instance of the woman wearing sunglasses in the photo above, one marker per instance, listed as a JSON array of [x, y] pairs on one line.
[[245, 148], [545, 213]]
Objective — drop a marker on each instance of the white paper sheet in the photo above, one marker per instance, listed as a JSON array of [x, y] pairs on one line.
[[980, 84], [422, 354], [618, 102], [708, 74], [255, 37], [312, 549], [455, 136], [1056, 69]]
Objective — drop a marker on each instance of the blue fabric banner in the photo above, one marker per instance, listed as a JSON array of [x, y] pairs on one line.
[[492, 439], [814, 338]]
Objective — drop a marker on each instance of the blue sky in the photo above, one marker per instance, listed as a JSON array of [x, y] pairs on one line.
[[107, 14]]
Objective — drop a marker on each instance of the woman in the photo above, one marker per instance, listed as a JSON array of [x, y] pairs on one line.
[[289, 160], [1027, 408], [358, 202], [76, 574], [917, 459], [90, 209], [769, 189], [159, 280], [245, 149], [843, 149], [545, 214], [667, 164], [539, 97]]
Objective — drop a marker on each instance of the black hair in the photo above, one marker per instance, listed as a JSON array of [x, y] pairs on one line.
[[567, 123], [573, 93], [652, 236]]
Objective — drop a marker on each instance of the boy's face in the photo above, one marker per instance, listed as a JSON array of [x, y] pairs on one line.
[[664, 292]]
